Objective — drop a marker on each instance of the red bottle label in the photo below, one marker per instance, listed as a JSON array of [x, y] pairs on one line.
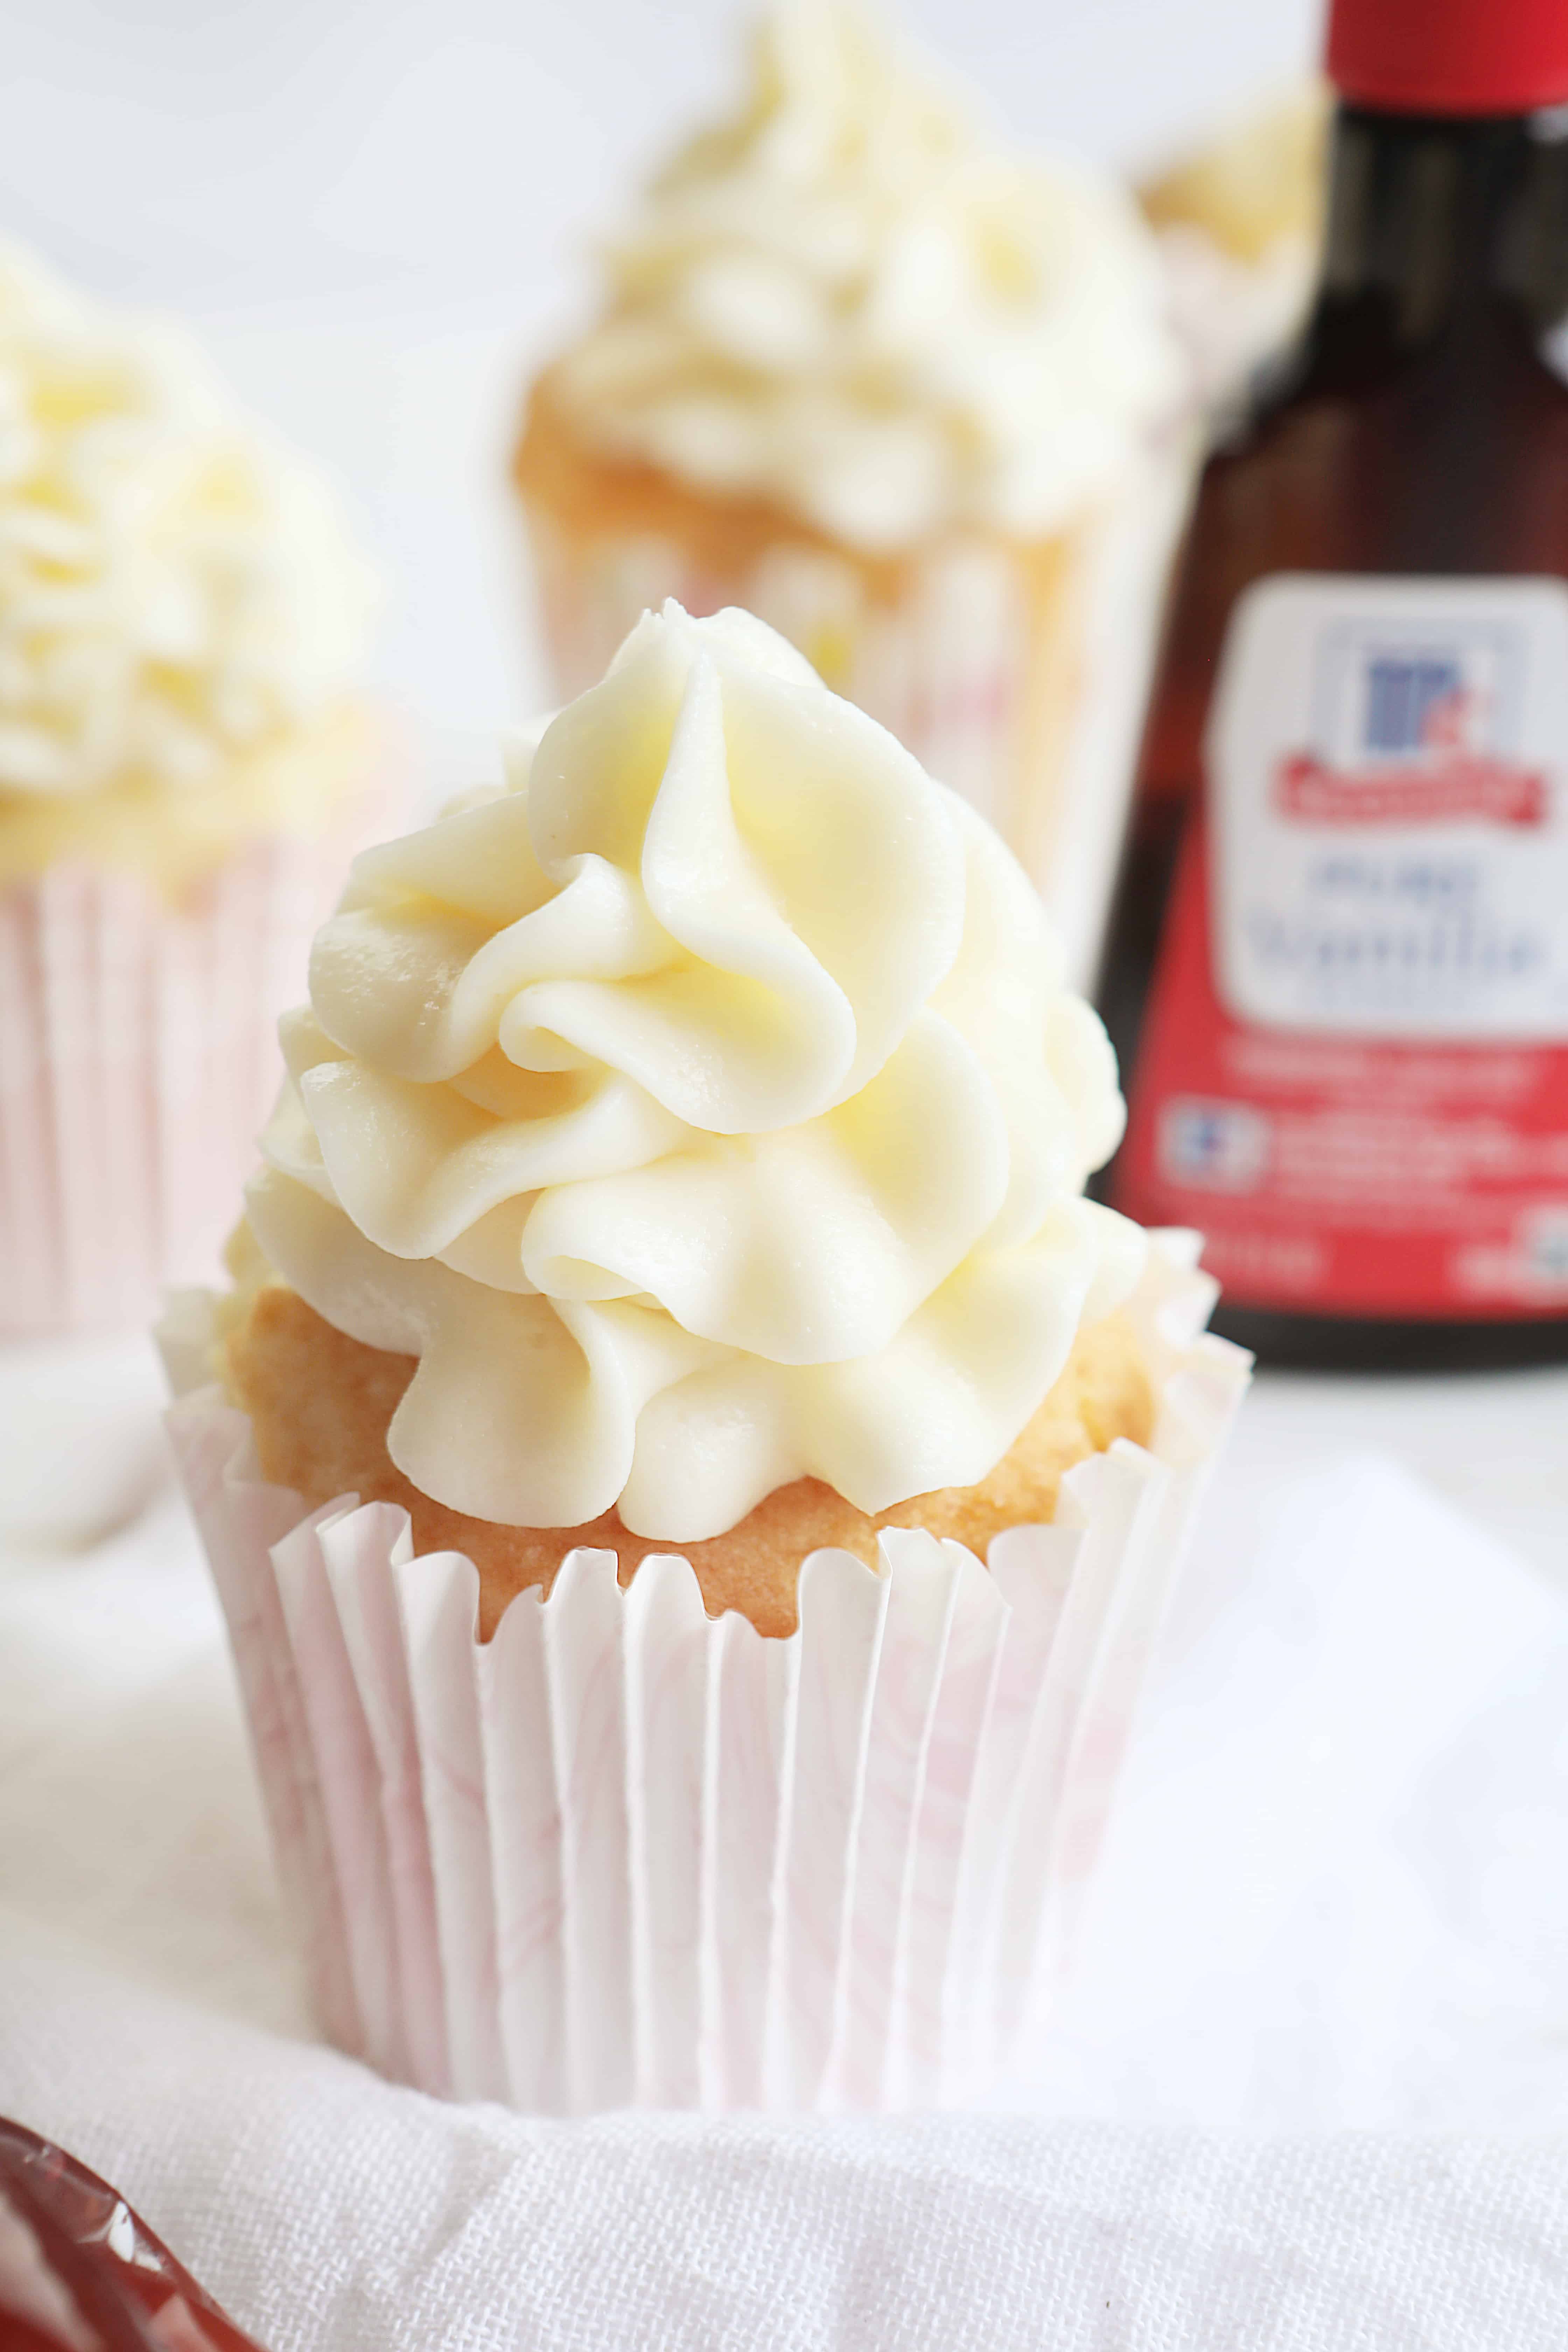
[[1353, 1069]]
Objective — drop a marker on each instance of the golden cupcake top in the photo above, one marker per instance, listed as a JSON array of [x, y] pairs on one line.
[[704, 1110], [177, 595], [856, 299]]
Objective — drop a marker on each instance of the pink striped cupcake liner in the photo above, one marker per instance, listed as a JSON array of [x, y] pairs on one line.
[[138, 1059], [624, 1853]]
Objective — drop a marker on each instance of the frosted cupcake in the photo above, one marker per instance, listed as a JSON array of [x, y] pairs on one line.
[[667, 1283], [868, 371], [182, 767], [1239, 223]]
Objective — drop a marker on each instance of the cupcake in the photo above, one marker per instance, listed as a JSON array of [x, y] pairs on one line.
[[183, 769], [866, 370], [1239, 223], [691, 1479]]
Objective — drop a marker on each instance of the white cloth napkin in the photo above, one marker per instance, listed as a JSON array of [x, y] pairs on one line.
[[1334, 1912]]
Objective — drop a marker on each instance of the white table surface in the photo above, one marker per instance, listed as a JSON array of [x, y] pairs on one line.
[[1495, 1443]]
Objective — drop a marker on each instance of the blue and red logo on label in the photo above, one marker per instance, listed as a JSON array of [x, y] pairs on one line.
[[1428, 756]]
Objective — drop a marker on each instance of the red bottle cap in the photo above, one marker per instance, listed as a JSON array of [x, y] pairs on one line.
[[1450, 56]]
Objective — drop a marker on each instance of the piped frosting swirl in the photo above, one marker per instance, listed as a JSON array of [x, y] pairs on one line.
[[855, 299], [704, 1110], [175, 590]]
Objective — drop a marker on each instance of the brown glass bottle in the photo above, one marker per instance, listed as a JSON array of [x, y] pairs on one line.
[[1418, 433]]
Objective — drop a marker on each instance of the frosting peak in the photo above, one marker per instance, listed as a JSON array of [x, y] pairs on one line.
[[174, 590], [855, 299], [704, 1110]]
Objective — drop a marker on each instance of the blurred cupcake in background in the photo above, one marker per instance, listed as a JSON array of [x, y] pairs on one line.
[[1240, 222], [183, 767], [870, 371]]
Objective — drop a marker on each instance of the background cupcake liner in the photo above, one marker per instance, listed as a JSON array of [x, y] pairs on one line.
[[138, 1058], [1015, 672], [627, 1854]]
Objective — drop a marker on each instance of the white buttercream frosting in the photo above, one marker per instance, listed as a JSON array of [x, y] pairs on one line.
[[704, 1110], [858, 301], [173, 589]]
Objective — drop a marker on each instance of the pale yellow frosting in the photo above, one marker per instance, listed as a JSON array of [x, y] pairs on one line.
[[704, 1111], [857, 300], [178, 601], [296, 784]]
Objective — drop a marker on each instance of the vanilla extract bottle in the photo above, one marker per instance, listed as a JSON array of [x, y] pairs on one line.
[[1337, 972]]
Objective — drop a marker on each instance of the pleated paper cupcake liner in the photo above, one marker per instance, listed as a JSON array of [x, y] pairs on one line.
[[626, 1853], [138, 1060], [1015, 671]]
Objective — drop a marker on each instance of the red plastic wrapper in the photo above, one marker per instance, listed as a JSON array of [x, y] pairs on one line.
[[80, 2271]]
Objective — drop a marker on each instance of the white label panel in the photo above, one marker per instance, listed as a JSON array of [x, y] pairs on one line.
[[1388, 795]]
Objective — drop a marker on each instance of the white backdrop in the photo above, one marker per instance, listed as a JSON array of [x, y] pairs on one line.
[[377, 212]]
